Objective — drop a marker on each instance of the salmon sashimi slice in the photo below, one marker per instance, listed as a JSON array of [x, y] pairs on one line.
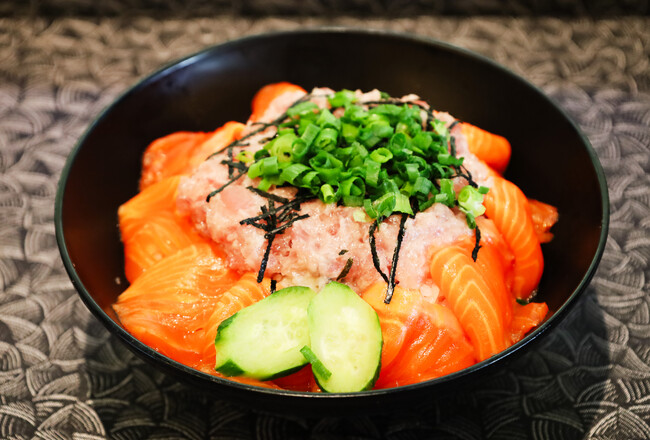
[[263, 99], [436, 345], [161, 236], [241, 294], [525, 318], [168, 306], [544, 216], [395, 318], [491, 236], [218, 140], [507, 206], [157, 198], [168, 156], [492, 149], [470, 298], [490, 264], [151, 228]]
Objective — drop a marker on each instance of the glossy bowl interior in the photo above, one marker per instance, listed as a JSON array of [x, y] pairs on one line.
[[203, 91]]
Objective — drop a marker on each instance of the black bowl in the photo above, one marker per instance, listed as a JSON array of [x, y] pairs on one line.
[[551, 161]]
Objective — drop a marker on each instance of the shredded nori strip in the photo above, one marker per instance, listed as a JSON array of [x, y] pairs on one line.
[[274, 285], [271, 223], [453, 124], [282, 211], [467, 175], [274, 220], [263, 126], [280, 229], [393, 268], [342, 252], [267, 195], [452, 144], [346, 269], [230, 162], [477, 234], [373, 249]]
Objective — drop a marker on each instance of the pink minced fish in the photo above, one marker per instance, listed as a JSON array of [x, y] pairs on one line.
[[315, 250]]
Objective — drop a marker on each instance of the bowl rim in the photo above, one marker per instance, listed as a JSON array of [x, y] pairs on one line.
[[407, 38]]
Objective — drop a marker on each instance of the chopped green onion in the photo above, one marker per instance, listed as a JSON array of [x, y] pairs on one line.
[[342, 98], [353, 186], [360, 216], [378, 156], [264, 167], [470, 200], [352, 201], [317, 365], [327, 194], [349, 132], [327, 119], [402, 204], [302, 109], [310, 133], [327, 139], [381, 155], [370, 209], [446, 195], [422, 186], [293, 172], [385, 205], [245, 156]]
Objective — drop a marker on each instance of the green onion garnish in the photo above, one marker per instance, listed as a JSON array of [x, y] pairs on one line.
[[317, 365], [381, 156]]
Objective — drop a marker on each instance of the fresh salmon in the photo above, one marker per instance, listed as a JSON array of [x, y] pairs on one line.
[[239, 295], [151, 229], [507, 206], [493, 149], [525, 318], [183, 287], [470, 297], [496, 273], [168, 156], [396, 318], [157, 198], [168, 307], [436, 345], [162, 235], [220, 138], [544, 216], [264, 98], [303, 380]]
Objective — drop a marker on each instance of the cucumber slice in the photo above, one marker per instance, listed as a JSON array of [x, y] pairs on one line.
[[263, 341], [346, 338]]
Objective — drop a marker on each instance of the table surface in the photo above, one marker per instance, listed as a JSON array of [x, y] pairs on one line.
[[63, 376]]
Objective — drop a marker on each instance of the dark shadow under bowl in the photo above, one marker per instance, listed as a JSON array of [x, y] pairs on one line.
[[551, 161]]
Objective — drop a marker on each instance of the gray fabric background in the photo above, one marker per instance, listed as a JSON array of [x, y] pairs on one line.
[[63, 376]]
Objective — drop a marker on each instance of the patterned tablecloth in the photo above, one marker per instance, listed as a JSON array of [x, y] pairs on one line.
[[63, 376]]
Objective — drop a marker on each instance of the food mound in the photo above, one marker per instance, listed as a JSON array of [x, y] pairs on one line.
[[338, 241]]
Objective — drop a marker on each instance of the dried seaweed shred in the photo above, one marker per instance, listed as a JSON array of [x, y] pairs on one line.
[[346, 269], [393, 268]]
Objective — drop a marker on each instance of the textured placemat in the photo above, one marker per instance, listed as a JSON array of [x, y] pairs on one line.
[[63, 376], [320, 8]]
